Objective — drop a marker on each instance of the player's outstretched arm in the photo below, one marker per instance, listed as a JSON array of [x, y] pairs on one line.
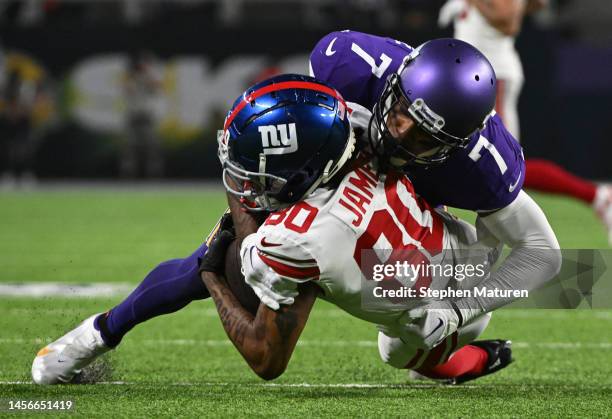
[[267, 340], [535, 257]]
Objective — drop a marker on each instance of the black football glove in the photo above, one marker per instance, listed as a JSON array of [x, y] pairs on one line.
[[214, 259]]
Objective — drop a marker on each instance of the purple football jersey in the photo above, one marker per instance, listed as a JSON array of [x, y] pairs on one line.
[[488, 174], [357, 64]]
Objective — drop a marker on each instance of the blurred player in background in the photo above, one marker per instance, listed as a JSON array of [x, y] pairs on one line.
[[142, 151], [26, 108], [492, 26]]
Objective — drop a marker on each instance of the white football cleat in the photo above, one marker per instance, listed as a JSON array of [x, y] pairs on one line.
[[603, 207], [60, 361]]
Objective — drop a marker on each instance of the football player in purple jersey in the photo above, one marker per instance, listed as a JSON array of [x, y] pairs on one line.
[[429, 111]]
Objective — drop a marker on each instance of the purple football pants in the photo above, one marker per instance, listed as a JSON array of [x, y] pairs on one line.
[[166, 289]]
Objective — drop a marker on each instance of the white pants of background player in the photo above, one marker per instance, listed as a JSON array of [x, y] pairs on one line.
[[506, 103]]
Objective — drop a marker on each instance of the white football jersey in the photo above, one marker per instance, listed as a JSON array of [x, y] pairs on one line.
[[471, 26], [322, 239]]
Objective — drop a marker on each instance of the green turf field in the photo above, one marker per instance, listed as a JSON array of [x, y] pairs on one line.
[[182, 364]]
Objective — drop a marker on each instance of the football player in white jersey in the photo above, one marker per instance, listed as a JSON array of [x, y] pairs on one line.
[[492, 26], [326, 214]]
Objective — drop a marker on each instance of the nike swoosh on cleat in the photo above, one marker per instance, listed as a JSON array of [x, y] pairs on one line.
[[513, 186], [437, 327], [264, 243], [329, 52]]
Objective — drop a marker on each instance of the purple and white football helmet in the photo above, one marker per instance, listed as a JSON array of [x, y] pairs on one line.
[[448, 88]]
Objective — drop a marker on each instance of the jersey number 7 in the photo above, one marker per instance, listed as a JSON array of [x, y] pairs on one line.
[[377, 70]]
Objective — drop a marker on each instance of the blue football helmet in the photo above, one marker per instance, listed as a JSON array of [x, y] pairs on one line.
[[281, 139], [448, 88]]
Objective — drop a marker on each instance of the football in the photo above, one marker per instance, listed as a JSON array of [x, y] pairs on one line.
[[235, 280]]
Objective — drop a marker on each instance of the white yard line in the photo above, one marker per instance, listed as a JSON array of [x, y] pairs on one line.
[[332, 312], [551, 314], [59, 289], [313, 343], [279, 385], [200, 311], [103, 289], [399, 386]]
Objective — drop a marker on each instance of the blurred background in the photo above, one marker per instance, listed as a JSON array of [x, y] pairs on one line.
[[136, 89]]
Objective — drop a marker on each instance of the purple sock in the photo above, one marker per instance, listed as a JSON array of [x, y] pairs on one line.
[[166, 289]]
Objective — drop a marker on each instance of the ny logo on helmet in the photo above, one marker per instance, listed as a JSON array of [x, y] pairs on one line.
[[279, 139]]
